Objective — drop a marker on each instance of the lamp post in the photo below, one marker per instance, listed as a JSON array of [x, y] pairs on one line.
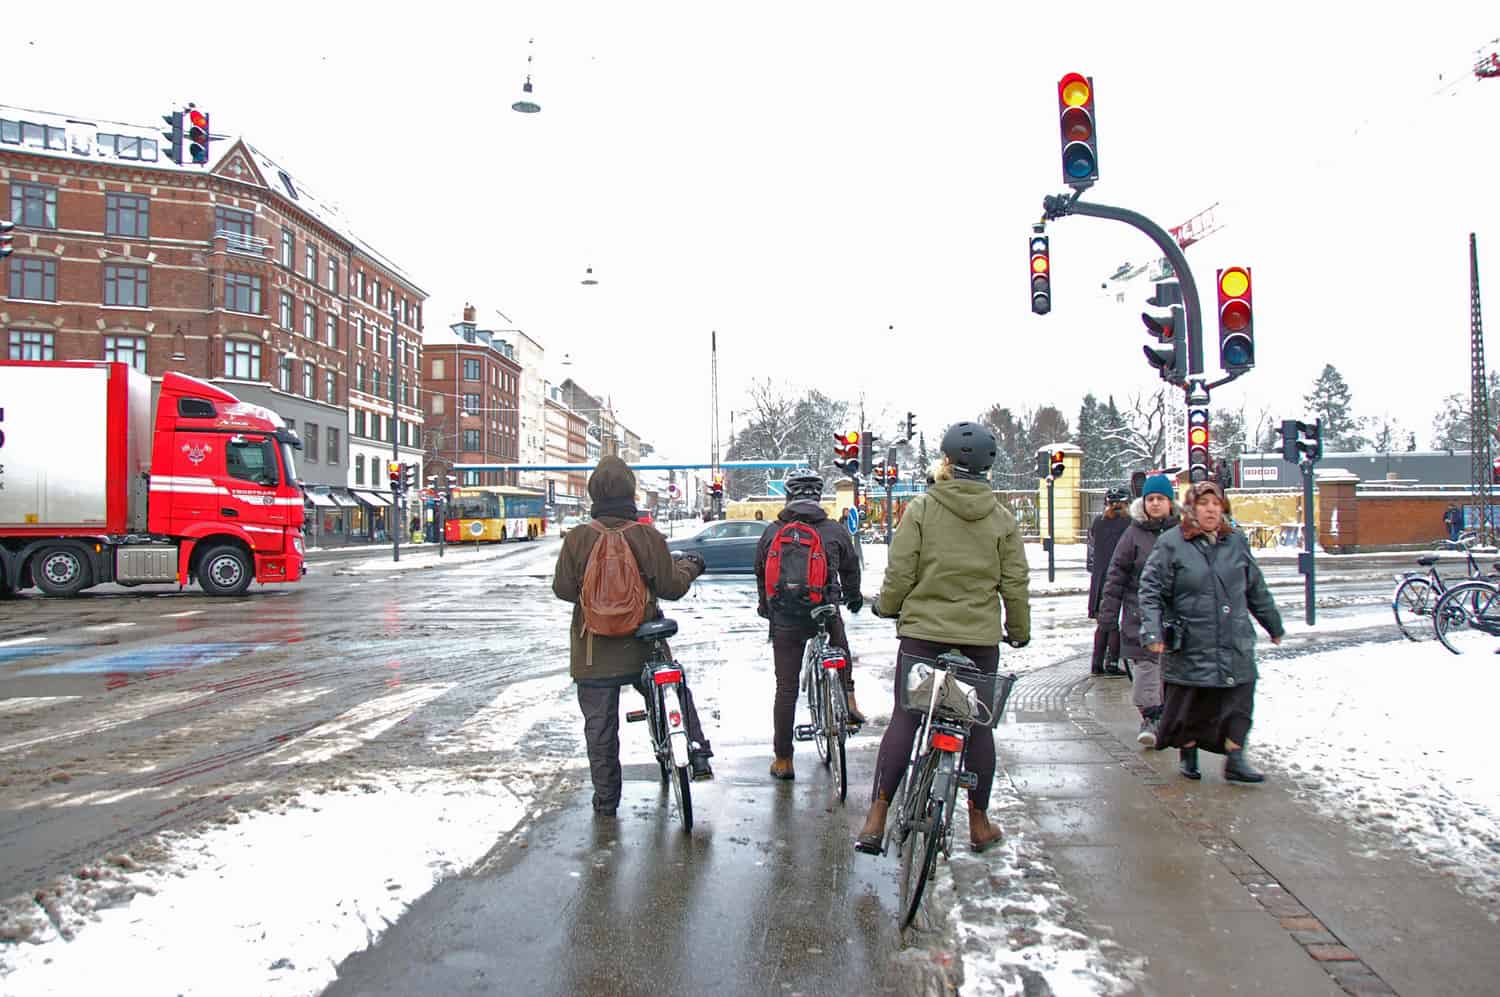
[[396, 486]]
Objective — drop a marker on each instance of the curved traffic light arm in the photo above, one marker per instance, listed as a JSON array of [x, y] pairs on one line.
[[1225, 380], [1060, 205]]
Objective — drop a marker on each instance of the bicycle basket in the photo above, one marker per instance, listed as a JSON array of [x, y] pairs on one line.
[[966, 696]]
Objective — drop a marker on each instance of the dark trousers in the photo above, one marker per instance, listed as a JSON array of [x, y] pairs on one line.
[[787, 645], [895, 746], [601, 735], [1106, 648]]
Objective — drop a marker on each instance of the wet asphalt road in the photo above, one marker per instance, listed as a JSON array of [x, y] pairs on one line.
[[127, 713]]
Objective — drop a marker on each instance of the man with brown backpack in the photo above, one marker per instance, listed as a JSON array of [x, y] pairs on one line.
[[613, 572]]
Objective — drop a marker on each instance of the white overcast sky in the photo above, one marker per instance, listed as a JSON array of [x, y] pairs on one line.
[[802, 176]]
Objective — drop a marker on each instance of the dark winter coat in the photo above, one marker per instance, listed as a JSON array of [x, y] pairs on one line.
[[592, 658], [838, 548], [1105, 532], [1119, 603], [1211, 587]]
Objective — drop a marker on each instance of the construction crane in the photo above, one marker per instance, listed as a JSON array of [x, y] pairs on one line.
[[1195, 229]]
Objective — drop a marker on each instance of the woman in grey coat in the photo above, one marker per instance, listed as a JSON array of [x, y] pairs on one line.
[[1150, 515], [1202, 578]]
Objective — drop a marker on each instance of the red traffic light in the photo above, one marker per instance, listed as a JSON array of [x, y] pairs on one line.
[[1080, 147], [1059, 463], [1236, 320], [197, 136]]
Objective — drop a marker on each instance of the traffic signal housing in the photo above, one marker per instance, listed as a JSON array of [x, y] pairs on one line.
[[1198, 466], [409, 477], [1170, 358], [7, 238], [846, 451], [196, 134], [1236, 321], [173, 136], [1080, 145], [393, 468], [1299, 439], [1041, 275], [1043, 465], [1057, 464], [911, 425]]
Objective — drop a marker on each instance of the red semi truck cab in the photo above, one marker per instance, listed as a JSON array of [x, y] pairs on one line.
[[94, 490]]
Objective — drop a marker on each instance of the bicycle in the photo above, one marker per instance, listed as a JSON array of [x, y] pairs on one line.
[[660, 682], [925, 801], [822, 666], [1467, 616], [1417, 594]]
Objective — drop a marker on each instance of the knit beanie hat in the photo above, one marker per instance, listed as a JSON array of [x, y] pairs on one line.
[[1157, 484]]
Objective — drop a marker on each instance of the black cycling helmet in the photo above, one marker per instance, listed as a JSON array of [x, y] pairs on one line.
[[970, 447], [1117, 495], [804, 484]]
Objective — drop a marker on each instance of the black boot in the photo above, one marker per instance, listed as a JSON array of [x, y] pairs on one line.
[[1236, 769], [1188, 765]]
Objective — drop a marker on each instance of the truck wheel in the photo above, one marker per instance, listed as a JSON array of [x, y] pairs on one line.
[[61, 571], [225, 570]]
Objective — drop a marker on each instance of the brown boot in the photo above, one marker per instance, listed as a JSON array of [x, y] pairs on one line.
[[855, 716], [982, 834], [781, 768], [871, 837]]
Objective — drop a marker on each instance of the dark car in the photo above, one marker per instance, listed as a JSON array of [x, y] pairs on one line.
[[726, 546]]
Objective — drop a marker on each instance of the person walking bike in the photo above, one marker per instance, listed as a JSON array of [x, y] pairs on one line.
[[1119, 604], [955, 557], [613, 571], [1104, 533], [804, 560], [1202, 583]]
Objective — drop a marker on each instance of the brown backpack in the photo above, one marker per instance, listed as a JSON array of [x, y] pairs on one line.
[[613, 596]]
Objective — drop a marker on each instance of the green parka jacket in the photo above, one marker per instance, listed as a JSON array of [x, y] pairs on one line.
[[956, 548]]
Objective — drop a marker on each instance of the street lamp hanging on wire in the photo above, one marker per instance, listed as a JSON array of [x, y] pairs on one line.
[[527, 103]]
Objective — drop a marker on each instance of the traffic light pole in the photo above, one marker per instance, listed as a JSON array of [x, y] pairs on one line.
[[1051, 533], [1305, 560], [395, 525]]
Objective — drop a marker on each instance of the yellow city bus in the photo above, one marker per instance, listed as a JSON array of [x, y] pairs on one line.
[[495, 514]]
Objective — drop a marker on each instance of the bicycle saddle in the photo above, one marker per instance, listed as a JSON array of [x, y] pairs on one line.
[[823, 611], [656, 629], [1427, 560]]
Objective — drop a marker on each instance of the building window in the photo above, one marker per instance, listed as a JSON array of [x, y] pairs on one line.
[[234, 222], [126, 287], [37, 136], [30, 345], [126, 215], [309, 320], [331, 332], [471, 370], [379, 384], [333, 274], [33, 278], [242, 360], [471, 477], [406, 434], [471, 403], [334, 454], [330, 386], [359, 332], [288, 248], [126, 349], [471, 440], [437, 404], [437, 368], [33, 205], [285, 378], [242, 293], [286, 311], [359, 378], [359, 470], [309, 380], [359, 424], [360, 281], [310, 443], [376, 285], [127, 146], [312, 262]]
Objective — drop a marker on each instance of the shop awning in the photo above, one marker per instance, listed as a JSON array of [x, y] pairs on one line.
[[374, 500], [342, 500], [319, 498]]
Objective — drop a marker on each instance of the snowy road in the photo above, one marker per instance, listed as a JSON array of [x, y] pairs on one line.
[[255, 789]]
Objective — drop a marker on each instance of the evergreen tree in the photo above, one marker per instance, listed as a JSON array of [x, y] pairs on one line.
[[924, 460], [1088, 439], [1331, 401]]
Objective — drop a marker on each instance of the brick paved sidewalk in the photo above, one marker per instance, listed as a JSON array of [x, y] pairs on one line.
[[1227, 889]]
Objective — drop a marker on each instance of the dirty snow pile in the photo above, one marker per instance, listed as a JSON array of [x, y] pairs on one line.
[[1392, 739]]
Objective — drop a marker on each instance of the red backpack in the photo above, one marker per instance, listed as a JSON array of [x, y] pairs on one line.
[[796, 570]]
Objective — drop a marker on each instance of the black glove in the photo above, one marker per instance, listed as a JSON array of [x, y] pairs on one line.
[[855, 603], [690, 557], [1018, 643]]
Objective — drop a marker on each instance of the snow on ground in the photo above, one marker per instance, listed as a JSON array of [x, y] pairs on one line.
[[1388, 737], [416, 559]]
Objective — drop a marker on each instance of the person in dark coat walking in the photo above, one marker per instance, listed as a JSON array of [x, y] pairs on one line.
[[1119, 606], [790, 633], [1202, 577], [1106, 531], [1453, 521]]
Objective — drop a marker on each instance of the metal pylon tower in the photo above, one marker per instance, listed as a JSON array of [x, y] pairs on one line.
[[1481, 468], [713, 392]]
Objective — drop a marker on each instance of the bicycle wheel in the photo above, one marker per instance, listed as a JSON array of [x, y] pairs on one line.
[[837, 727], [817, 707], [1467, 617], [1413, 604], [921, 815], [682, 790]]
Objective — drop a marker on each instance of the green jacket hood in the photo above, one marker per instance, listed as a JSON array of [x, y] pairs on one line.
[[970, 501]]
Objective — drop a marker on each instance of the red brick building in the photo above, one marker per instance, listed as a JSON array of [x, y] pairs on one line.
[[471, 387], [236, 274]]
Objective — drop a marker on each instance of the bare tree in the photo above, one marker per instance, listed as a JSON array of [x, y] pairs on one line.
[[1140, 439]]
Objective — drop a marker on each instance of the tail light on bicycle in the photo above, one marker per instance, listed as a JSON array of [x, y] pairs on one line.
[[833, 662], [943, 740], [667, 676]]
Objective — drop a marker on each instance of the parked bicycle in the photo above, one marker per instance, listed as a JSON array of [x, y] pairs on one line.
[[823, 680], [950, 694], [1467, 616], [661, 682], [1417, 593]]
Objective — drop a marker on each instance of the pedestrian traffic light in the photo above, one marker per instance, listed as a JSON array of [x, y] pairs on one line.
[[197, 135], [1290, 452], [1057, 464], [7, 238], [1041, 275], [892, 474], [394, 469], [1043, 464], [1080, 148], [1167, 327], [1236, 321], [1299, 439], [409, 476], [174, 136], [1198, 468], [911, 425]]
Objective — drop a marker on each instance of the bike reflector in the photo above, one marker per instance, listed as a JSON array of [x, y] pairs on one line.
[[834, 662], [947, 742], [674, 719], [667, 676]]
